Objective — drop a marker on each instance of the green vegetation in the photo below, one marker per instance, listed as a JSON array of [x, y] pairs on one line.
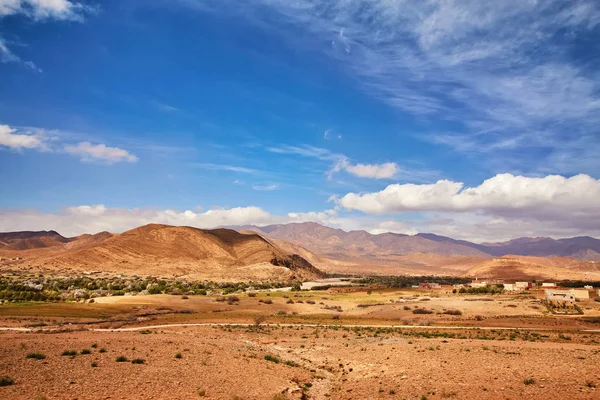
[[86, 351], [69, 353], [138, 361], [121, 359], [84, 288], [529, 381], [178, 355], [271, 358], [102, 350], [6, 381], [37, 356], [407, 281]]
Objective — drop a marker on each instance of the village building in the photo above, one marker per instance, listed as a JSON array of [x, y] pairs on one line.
[[524, 285], [561, 297], [581, 294]]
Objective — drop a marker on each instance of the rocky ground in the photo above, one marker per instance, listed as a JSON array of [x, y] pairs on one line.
[[297, 362]]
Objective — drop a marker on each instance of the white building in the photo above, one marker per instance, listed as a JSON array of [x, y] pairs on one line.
[[560, 296]]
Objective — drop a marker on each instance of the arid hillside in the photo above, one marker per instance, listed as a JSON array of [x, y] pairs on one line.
[[219, 254], [31, 240], [550, 268]]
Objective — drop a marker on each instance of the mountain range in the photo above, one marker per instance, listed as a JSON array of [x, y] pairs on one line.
[[337, 243], [298, 250]]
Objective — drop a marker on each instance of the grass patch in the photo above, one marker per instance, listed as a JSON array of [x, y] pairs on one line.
[[121, 359], [36, 356], [69, 353]]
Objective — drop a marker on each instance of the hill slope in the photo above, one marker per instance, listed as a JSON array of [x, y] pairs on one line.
[[529, 267], [220, 254], [26, 240]]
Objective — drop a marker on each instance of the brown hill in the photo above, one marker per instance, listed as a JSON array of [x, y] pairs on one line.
[[220, 254], [30, 240], [529, 267]]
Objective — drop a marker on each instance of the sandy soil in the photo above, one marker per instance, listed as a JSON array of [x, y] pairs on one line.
[[229, 363]]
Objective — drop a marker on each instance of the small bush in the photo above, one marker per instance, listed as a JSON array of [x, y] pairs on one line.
[[69, 353], [94, 345], [259, 319], [94, 364], [251, 294], [102, 350], [590, 384], [184, 297], [138, 361], [290, 301], [201, 392], [422, 311], [479, 317], [529, 381], [335, 316], [6, 381], [406, 308], [86, 351], [271, 358], [36, 356], [453, 312], [178, 355], [121, 359]]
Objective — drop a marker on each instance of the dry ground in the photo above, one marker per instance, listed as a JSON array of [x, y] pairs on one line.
[[435, 359]]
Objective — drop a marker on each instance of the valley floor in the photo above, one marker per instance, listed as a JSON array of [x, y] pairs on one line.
[[302, 350]]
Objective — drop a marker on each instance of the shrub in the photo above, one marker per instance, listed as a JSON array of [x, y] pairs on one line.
[[37, 356], [406, 308], [94, 364], [335, 316], [310, 302], [590, 384], [266, 301], [453, 312], [69, 353], [86, 351], [184, 297], [259, 319], [251, 294], [529, 381], [138, 361], [271, 358], [290, 301], [479, 317], [6, 381], [178, 355], [201, 392], [232, 299], [422, 311], [121, 359], [102, 350]]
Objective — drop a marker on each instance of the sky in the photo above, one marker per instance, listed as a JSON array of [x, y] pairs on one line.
[[471, 119]]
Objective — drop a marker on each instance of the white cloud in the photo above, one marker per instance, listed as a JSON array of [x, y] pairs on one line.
[[374, 171], [99, 152], [7, 56], [21, 140], [44, 9], [266, 187], [550, 198]]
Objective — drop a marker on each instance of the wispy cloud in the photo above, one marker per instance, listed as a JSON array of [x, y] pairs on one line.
[[225, 167], [20, 139], [87, 152], [38, 10], [266, 187], [499, 71]]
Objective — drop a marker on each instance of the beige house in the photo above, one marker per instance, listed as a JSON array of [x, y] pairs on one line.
[[560, 296], [581, 294]]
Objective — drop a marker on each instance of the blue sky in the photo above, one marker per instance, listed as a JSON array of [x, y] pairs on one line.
[[463, 118]]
